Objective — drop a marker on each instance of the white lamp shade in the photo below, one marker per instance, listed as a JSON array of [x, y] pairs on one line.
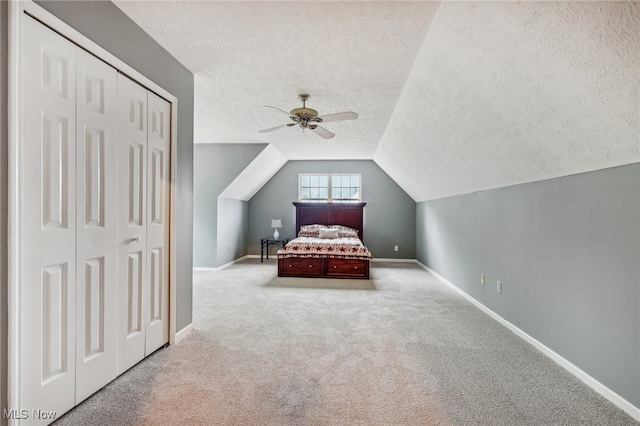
[[276, 223]]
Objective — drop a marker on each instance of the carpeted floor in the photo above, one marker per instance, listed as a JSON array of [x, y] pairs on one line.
[[400, 349]]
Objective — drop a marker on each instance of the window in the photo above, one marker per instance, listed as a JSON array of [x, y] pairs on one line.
[[329, 188]]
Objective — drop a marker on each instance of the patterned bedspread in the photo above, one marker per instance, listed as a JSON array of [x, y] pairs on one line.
[[345, 248]]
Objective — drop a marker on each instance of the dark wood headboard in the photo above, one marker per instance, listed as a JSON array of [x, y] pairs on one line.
[[346, 214]]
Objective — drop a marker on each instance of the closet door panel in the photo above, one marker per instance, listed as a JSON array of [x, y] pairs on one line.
[[96, 276], [47, 220], [132, 223], [157, 333]]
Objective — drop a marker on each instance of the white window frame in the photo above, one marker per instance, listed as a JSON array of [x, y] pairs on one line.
[[329, 198]]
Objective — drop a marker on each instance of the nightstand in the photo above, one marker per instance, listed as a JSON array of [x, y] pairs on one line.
[[266, 242]]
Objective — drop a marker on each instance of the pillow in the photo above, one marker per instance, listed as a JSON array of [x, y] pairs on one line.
[[309, 234], [345, 231], [311, 227], [343, 228], [347, 234], [327, 233], [310, 231]]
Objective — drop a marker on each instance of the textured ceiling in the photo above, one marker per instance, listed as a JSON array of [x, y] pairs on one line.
[[349, 56], [453, 97], [505, 93]]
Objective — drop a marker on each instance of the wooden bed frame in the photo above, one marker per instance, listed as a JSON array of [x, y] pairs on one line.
[[347, 214]]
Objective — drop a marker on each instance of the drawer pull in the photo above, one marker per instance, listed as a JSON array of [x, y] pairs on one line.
[[289, 266], [334, 266], [355, 267], [310, 266]]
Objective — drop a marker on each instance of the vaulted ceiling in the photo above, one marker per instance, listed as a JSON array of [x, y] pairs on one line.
[[453, 97]]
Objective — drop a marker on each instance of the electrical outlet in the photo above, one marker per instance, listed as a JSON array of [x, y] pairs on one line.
[[499, 286], [395, 248], [228, 247], [481, 278]]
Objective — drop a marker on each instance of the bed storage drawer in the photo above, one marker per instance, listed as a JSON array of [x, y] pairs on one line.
[[300, 267], [347, 267]]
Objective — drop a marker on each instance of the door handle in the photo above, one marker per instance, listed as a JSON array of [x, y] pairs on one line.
[[135, 239]]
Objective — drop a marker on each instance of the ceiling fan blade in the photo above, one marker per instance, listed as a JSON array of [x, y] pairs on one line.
[[340, 116], [321, 131], [278, 109], [271, 129]]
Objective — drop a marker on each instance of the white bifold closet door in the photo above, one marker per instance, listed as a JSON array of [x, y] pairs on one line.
[[96, 225], [158, 164], [68, 238], [94, 190], [143, 232], [48, 221]]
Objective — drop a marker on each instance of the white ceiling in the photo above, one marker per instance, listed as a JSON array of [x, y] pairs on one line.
[[453, 97]]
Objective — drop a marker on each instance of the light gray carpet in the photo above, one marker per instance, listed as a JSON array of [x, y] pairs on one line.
[[401, 349], [327, 283]]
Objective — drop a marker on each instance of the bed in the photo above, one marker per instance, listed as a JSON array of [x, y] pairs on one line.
[[329, 243]]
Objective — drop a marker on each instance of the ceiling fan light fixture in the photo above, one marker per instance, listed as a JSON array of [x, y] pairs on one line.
[[304, 111], [306, 118]]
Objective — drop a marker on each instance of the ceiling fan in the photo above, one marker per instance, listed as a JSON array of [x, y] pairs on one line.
[[307, 118]]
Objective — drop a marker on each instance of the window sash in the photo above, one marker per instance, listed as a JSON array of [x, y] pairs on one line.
[[329, 188]]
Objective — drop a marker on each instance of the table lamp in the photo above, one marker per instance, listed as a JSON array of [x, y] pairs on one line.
[[276, 223]]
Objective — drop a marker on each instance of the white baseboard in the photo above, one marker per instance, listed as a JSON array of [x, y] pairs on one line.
[[226, 265], [183, 333], [219, 268], [613, 397]]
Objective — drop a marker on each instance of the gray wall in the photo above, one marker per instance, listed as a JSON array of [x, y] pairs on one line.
[[233, 221], [215, 167], [109, 27], [567, 251], [389, 216]]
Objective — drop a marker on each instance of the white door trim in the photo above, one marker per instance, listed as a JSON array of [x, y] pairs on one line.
[[17, 8]]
